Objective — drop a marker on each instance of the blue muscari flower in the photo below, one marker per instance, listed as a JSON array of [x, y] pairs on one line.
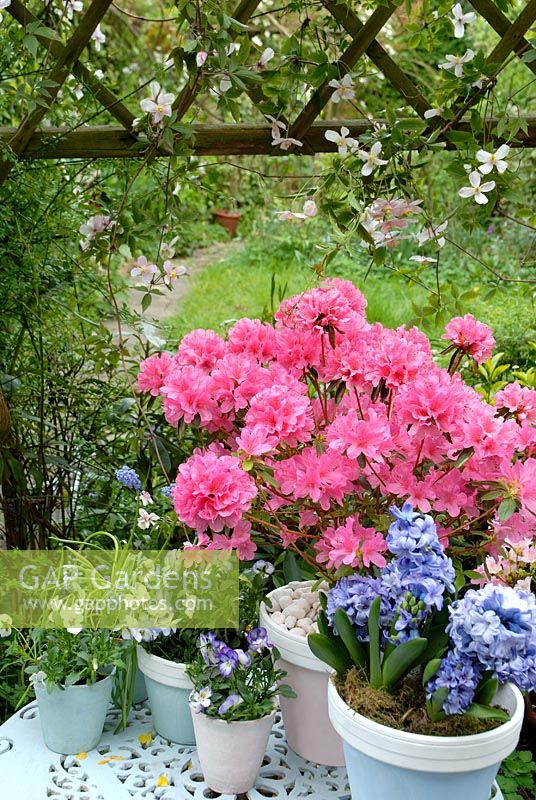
[[258, 639], [167, 490], [128, 477], [230, 702], [460, 674]]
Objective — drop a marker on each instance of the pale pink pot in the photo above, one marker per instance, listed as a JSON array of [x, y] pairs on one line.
[[308, 729], [231, 753]]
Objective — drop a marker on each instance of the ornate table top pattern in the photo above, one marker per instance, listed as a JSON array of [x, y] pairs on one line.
[[121, 768]]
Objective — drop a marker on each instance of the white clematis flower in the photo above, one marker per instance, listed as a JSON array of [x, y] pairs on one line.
[[158, 105], [146, 520], [344, 89], [144, 272], [371, 159], [490, 160], [309, 210], [172, 272], [432, 112], [477, 190], [456, 62], [342, 140], [434, 234], [460, 20]]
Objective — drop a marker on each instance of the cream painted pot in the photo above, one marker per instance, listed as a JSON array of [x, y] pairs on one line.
[[231, 753], [308, 728]]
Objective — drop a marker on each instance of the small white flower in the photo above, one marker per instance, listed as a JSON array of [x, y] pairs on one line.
[[146, 499], [199, 700], [146, 520], [74, 631], [234, 47], [476, 189], [159, 104], [98, 37], [99, 74], [37, 679], [173, 272], [456, 62], [144, 272], [276, 126], [168, 250], [371, 159], [479, 83], [432, 112], [344, 89], [309, 210], [342, 140], [433, 234], [201, 57], [266, 56], [490, 160], [285, 143], [423, 259], [225, 84], [460, 20], [78, 91]]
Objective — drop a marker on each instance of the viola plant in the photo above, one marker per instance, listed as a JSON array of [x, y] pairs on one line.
[[404, 619], [236, 683], [309, 430], [66, 657]]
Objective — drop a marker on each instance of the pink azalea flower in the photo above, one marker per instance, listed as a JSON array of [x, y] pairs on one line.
[[254, 338], [284, 413], [212, 492], [370, 436], [471, 336], [518, 401], [321, 477], [256, 441], [187, 393], [351, 545], [520, 482], [201, 348], [153, 372]]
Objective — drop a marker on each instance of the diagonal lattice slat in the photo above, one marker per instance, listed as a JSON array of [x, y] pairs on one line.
[[58, 75], [500, 23], [349, 58], [380, 57]]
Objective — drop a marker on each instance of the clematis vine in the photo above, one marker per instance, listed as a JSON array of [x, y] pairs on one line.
[[460, 20], [342, 140], [371, 159], [144, 272], [489, 161], [344, 89], [158, 104]]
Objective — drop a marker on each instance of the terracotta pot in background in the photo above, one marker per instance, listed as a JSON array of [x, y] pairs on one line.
[[227, 219]]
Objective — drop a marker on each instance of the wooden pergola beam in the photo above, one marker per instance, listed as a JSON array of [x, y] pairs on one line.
[[58, 75], [216, 140]]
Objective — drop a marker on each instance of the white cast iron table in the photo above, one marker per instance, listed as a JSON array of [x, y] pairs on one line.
[[123, 767]]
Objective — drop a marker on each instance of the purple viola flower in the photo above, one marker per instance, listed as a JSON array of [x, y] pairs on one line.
[[201, 700], [243, 658], [258, 640], [230, 702], [227, 661]]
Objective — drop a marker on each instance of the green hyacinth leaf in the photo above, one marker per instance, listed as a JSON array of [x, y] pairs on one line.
[[346, 631], [330, 652], [374, 644], [402, 660]]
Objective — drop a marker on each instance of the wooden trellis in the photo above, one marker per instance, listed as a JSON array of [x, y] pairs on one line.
[[28, 141]]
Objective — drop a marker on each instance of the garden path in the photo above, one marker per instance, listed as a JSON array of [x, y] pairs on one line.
[[168, 303]]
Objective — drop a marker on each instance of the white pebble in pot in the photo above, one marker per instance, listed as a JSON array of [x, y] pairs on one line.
[[290, 622], [284, 601]]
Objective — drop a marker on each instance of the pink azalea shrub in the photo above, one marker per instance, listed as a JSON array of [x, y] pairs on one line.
[[315, 425]]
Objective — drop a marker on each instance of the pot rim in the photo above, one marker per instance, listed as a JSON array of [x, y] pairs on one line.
[[163, 670], [236, 722], [423, 752], [293, 649], [64, 688], [223, 213]]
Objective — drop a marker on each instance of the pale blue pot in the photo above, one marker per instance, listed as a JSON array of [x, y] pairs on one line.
[[168, 689], [384, 763], [72, 719], [140, 689]]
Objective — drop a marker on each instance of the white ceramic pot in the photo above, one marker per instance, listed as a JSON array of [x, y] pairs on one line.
[[383, 762], [308, 729], [231, 753], [168, 689]]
